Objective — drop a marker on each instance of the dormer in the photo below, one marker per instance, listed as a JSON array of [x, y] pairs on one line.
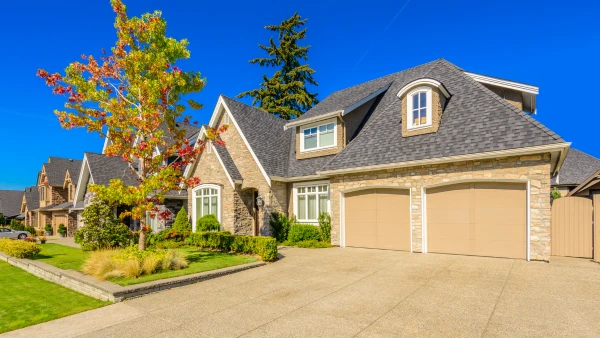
[[521, 95], [70, 186], [44, 189], [423, 103]]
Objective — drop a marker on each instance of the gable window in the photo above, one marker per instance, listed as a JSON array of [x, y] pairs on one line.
[[310, 201], [42, 193], [419, 108], [318, 137], [206, 201]]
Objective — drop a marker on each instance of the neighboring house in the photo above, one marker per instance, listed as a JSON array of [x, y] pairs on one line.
[[101, 169], [30, 202], [430, 159], [10, 204], [578, 169], [56, 189]]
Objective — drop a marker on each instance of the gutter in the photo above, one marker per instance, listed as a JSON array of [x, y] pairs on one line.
[[558, 147], [298, 178]]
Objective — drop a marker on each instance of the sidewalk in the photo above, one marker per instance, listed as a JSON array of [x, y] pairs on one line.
[[67, 241]]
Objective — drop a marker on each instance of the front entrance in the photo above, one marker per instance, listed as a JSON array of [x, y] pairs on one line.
[[58, 220], [572, 227]]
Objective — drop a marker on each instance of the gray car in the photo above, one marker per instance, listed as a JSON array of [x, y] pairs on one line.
[[13, 234]]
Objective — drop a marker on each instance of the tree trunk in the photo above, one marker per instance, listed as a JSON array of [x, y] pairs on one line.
[[142, 240]]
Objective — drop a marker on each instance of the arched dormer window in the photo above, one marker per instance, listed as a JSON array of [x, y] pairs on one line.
[[423, 102], [419, 108]]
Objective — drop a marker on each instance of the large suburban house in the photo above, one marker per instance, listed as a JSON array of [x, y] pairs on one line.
[[577, 175], [56, 184], [429, 159]]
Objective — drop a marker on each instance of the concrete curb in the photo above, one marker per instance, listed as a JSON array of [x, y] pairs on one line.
[[108, 291]]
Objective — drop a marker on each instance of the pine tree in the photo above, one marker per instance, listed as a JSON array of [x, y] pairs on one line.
[[181, 223], [285, 93]]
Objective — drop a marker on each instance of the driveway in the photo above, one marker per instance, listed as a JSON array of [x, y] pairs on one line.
[[361, 293]]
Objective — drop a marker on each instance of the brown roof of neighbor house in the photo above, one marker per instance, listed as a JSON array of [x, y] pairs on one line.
[[10, 202], [577, 167]]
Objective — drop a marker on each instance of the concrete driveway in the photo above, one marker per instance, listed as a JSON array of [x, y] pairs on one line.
[[361, 293]]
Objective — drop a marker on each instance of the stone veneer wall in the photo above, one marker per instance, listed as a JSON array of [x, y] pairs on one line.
[[59, 195], [535, 168]]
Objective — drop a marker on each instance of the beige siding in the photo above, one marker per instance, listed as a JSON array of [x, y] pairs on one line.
[[511, 96]]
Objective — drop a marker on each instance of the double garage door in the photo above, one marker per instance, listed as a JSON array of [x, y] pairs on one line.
[[482, 219]]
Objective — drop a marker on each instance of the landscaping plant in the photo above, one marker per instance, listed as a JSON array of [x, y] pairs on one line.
[[265, 247], [2, 220], [16, 225], [182, 224], [48, 229], [281, 223], [62, 230], [102, 229], [207, 223], [135, 95], [19, 249], [304, 232], [31, 230], [312, 244], [42, 239], [325, 227]]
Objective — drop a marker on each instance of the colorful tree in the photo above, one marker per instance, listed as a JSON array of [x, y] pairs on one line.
[[134, 96], [285, 93]]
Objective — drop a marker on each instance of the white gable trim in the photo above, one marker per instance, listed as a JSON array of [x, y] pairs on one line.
[[421, 82], [365, 100], [85, 170], [224, 168], [521, 87]]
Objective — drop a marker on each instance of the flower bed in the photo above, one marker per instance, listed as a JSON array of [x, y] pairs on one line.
[[19, 249]]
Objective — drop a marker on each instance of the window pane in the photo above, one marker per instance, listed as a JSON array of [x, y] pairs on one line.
[[313, 130], [312, 207], [213, 205], [323, 203], [322, 128], [423, 100], [198, 208], [415, 117], [326, 139], [310, 141], [205, 210], [301, 190], [306, 131], [330, 126], [415, 104], [301, 207], [423, 116]]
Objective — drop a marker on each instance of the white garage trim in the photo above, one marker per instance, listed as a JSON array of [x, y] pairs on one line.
[[490, 180], [343, 209]]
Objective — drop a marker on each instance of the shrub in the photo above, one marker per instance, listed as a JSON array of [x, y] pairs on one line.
[[42, 239], [31, 230], [325, 227], [181, 223], [304, 232], [265, 247], [2, 220], [555, 194], [19, 249], [169, 244], [62, 229], [281, 224], [312, 244], [102, 230], [207, 223], [132, 263], [39, 232], [48, 228], [16, 225]]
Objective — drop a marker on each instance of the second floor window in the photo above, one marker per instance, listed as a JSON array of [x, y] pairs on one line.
[[419, 108], [318, 137], [42, 193]]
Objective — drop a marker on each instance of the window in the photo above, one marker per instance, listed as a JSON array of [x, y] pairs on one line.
[[208, 147], [311, 200], [152, 222], [419, 108], [318, 137], [225, 118], [42, 193], [206, 202]]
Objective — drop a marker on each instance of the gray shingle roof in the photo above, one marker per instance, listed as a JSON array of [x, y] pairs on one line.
[[228, 162], [10, 202], [60, 206], [577, 167], [475, 120], [57, 167], [105, 168], [32, 197], [191, 133]]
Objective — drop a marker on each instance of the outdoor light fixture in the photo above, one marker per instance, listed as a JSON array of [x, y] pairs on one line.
[[260, 201]]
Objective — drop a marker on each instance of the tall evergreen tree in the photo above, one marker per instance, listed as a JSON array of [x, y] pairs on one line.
[[285, 93]]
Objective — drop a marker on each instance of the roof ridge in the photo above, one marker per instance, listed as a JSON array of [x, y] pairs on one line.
[[512, 108]]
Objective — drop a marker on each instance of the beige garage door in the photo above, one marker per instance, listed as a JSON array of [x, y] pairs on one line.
[[378, 218], [482, 219]]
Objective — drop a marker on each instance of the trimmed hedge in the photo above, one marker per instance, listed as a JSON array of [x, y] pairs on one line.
[[19, 249], [312, 244], [265, 247], [304, 232]]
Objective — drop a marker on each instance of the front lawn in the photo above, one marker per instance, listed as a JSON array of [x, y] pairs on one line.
[[65, 257], [27, 300]]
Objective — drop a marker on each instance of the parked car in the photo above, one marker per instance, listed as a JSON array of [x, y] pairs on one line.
[[13, 234]]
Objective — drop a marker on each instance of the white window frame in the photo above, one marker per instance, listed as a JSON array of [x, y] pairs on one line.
[[219, 202], [409, 108], [149, 220], [295, 201], [317, 125]]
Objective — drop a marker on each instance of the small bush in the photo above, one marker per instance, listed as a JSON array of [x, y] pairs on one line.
[[48, 228], [281, 224], [16, 225], [312, 244], [181, 224], [325, 227], [31, 230], [62, 229], [265, 247], [2, 220], [132, 263], [207, 223], [555, 194], [169, 244], [19, 249], [304, 232]]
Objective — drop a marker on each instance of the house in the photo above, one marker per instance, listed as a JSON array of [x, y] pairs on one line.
[[10, 204], [578, 169], [30, 202], [101, 169], [56, 190], [429, 159]]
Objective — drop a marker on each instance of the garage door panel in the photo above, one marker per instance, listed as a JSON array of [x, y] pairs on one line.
[[378, 218], [487, 219]]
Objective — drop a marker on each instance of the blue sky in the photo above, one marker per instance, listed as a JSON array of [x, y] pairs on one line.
[[552, 44]]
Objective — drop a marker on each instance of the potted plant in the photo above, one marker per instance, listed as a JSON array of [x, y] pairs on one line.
[[42, 239], [62, 230], [48, 229]]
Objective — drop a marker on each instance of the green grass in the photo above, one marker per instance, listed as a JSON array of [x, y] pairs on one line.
[[199, 261], [62, 256], [68, 258], [27, 300]]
